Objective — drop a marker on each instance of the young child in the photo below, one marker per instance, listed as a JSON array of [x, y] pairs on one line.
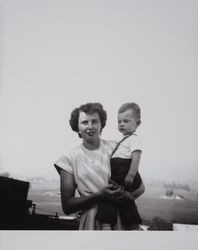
[[124, 161]]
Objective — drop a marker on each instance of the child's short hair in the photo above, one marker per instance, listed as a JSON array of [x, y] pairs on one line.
[[131, 105]]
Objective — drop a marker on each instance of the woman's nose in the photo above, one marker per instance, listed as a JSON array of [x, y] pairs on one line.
[[90, 125]]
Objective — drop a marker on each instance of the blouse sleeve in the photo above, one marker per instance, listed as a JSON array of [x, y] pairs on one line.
[[135, 144], [65, 163]]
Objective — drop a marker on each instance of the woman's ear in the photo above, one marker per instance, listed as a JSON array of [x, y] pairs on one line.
[[138, 123]]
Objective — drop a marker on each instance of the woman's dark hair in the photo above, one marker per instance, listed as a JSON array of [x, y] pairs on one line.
[[88, 108]]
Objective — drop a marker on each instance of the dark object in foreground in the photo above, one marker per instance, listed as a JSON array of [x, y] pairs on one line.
[[14, 210], [40, 222], [158, 224]]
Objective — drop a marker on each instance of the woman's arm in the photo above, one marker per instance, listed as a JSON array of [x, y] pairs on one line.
[[138, 192], [71, 204], [126, 195]]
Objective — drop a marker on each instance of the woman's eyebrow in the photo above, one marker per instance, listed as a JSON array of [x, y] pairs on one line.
[[85, 120]]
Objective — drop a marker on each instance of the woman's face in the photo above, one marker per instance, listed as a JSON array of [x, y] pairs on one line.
[[89, 126]]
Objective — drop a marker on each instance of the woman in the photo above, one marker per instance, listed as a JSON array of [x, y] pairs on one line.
[[87, 168]]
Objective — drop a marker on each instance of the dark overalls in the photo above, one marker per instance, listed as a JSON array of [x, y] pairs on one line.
[[107, 212]]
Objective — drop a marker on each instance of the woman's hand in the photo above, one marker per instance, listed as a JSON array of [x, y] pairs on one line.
[[115, 193], [128, 196], [111, 192], [124, 196]]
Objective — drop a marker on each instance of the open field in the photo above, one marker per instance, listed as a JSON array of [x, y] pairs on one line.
[[150, 205], [47, 202], [177, 211]]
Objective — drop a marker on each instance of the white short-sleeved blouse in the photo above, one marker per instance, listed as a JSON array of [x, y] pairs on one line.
[[91, 172]]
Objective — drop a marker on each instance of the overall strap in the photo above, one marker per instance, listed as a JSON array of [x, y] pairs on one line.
[[118, 144]]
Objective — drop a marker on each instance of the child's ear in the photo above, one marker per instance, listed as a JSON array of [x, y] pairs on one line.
[[138, 123]]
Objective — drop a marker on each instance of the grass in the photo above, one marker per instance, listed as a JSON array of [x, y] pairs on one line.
[[157, 212]]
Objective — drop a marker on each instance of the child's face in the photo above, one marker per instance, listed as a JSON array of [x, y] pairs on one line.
[[127, 122]]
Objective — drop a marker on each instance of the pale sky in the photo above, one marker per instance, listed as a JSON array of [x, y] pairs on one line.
[[57, 55]]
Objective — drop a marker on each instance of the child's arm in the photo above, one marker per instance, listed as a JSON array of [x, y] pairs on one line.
[[136, 155]]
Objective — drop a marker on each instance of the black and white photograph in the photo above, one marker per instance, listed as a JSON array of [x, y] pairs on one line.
[[98, 138]]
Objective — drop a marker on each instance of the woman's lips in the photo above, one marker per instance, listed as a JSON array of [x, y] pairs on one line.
[[90, 133]]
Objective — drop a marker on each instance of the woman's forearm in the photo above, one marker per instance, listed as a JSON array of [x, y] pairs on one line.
[[74, 204], [139, 191], [70, 203]]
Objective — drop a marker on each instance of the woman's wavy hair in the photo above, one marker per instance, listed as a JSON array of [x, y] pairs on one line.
[[88, 108]]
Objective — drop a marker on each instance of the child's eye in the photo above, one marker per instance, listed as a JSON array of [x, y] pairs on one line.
[[85, 122]]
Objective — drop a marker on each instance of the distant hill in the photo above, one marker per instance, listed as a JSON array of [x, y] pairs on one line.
[[185, 173], [43, 183], [152, 173]]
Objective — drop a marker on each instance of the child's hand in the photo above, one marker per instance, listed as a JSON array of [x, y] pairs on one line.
[[129, 180]]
